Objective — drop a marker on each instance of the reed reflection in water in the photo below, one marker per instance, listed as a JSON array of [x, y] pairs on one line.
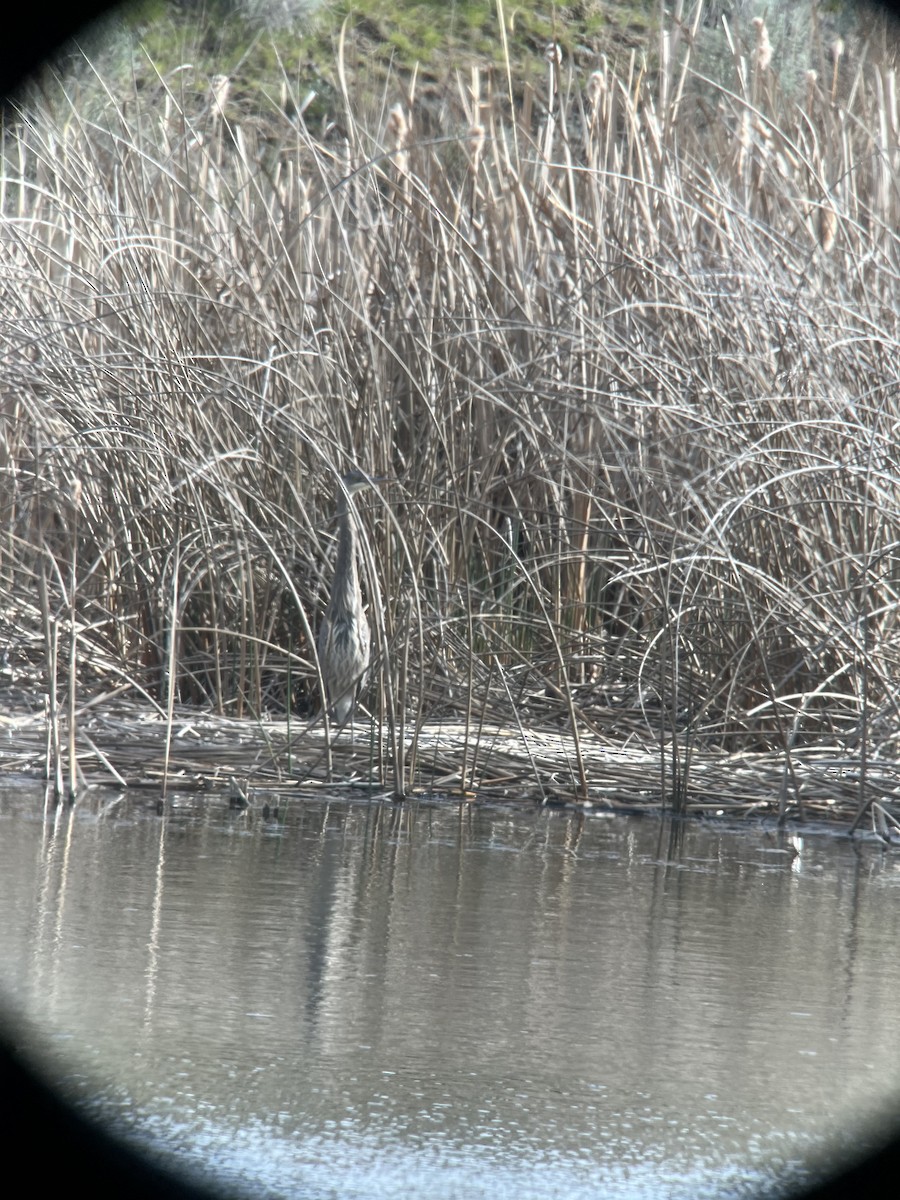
[[372, 1000]]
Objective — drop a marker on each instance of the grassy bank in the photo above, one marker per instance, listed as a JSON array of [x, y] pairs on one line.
[[625, 341]]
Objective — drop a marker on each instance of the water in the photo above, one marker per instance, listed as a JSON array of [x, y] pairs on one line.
[[361, 1000]]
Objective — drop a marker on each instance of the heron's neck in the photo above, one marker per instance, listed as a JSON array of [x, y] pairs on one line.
[[345, 566]]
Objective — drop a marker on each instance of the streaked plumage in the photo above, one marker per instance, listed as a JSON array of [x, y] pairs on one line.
[[344, 638]]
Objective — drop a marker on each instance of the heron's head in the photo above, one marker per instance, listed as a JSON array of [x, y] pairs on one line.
[[354, 481]]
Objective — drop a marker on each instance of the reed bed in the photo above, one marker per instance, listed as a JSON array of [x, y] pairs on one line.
[[626, 344]]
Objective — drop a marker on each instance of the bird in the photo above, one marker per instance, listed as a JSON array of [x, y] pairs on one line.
[[344, 639]]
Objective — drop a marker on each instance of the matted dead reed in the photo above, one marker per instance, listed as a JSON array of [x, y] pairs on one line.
[[627, 347]]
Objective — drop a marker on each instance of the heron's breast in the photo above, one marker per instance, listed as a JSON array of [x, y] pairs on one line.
[[348, 637]]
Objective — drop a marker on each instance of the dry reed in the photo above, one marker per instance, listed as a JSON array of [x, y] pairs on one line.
[[629, 349]]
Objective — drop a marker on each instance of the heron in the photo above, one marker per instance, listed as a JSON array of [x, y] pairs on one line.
[[344, 637]]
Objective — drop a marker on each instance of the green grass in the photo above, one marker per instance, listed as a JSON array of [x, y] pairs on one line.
[[379, 36]]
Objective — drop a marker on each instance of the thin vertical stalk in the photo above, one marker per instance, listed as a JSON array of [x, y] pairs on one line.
[[172, 661]]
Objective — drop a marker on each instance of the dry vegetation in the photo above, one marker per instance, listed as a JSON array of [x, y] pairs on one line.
[[628, 349]]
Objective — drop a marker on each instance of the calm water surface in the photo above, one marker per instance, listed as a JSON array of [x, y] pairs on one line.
[[362, 1000]]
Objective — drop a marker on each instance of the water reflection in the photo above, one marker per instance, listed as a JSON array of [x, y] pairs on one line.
[[374, 1000]]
